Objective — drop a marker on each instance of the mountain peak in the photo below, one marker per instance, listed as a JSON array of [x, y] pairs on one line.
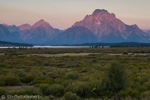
[[41, 23], [24, 26], [103, 13], [135, 25], [99, 11], [5, 24], [42, 20], [101, 20], [108, 27]]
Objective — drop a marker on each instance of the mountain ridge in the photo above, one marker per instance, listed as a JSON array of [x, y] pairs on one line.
[[41, 31], [100, 26], [106, 26]]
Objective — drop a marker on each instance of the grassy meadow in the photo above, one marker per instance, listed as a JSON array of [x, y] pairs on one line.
[[76, 74]]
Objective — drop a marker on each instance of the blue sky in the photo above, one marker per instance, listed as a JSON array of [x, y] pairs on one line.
[[63, 13]]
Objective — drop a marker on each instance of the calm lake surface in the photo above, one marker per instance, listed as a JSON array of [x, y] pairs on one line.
[[52, 47]]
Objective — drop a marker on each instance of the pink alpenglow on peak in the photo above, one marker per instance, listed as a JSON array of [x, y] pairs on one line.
[[40, 32], [24, 27], [100, 21], [41, 23], [100, 26], [108, 28]]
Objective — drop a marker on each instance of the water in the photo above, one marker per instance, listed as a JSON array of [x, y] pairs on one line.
[[50, 47], [60, 46]]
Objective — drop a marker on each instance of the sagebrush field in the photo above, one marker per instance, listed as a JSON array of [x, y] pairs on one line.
[[76, 74]]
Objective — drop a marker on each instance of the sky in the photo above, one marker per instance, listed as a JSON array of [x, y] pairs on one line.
[[64, 13]]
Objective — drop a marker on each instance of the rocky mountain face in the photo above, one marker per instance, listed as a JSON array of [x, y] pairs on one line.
[[24, 27], [100, 26], [108, 28], [4, 33], [10, 33], [147, 32], [40, 32], [76, 35]]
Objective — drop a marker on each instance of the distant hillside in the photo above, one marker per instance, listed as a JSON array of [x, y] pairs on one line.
[[123, 44], [3, 43]]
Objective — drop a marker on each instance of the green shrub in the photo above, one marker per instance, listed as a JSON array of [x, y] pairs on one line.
[[51, 97], [53, 75], [56, 90], [59, 80], [147, 84], [9, 80], [27, 78], [81, 89], [2, 81], [17, 92], [67, 84], [72, 76], [32, 91], [29, 91], [129, 98], [145, 94], [96, 89], [71, 96], [42, 80], [116, 79], [2, 91], [129, 92], [44, 88], [141, 88]]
